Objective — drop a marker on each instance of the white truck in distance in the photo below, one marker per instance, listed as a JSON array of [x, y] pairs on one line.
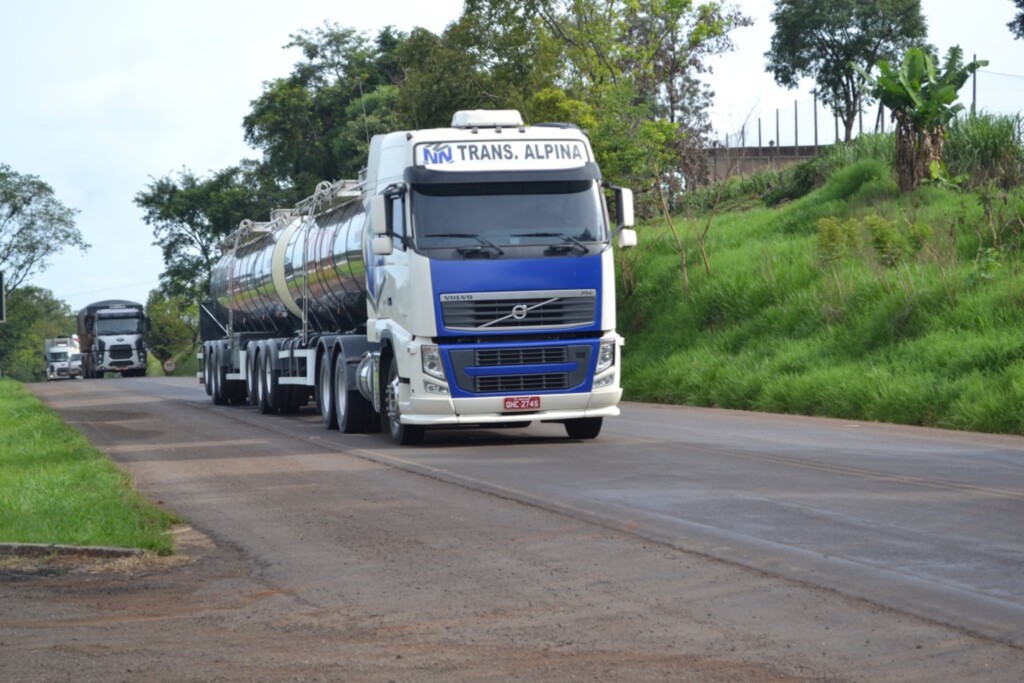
[[465, 279], [57, 352]]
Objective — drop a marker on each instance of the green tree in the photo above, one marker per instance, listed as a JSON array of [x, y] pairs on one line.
[[299, 121], [821, 40], [1017, 25], [191, 215], [33, 314], [34, 225], [923, 100], [636, 65], [174, 325]]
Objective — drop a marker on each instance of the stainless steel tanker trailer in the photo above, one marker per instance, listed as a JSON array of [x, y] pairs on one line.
[[466, 278]]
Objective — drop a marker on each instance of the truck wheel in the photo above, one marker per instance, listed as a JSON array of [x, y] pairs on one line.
[[583, 428], [402, 434], [325, 392], [219, 374], [207, 364], [269, 388], [351, 409], [252, 374]]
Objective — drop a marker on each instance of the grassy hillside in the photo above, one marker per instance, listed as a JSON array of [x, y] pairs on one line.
[[851, 301]]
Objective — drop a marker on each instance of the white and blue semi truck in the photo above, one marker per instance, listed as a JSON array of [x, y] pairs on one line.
[[465, 279]]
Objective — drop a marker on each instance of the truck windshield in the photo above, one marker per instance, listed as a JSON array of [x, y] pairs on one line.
[[117, 326], [507, 214], [58, 356]]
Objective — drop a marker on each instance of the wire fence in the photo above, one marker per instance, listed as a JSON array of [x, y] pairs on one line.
[[807, 123]]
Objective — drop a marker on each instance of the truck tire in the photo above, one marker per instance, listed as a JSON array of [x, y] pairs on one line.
[[352, 411], [402, 434], [325, 392], [219, 375], [583, 427], [252, 374], [269, 388], [208, 368]]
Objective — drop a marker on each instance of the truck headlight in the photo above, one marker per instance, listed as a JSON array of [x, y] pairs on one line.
[[430, 356], [435, 389], [605, 355]]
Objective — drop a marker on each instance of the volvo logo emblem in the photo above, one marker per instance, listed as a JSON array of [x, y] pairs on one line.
[[519, 312]]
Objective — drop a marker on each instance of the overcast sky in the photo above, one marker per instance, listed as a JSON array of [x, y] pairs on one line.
[[101, 97]]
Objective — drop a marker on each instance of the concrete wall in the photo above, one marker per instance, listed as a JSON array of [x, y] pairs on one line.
[[730, 161]]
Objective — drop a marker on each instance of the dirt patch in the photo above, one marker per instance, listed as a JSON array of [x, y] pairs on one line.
[[204, 615], [24, 561]]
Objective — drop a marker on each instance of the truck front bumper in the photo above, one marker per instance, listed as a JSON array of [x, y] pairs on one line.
[[439, 412]]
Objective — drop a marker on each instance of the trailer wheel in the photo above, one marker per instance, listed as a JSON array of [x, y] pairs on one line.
[[207, 376], [351, 408], [583, 427], [252, 372], [269, 388], [219, 374], [325, 392], [402, 434]]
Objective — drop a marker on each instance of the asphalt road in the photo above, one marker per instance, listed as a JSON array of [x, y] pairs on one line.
[[751, 546]]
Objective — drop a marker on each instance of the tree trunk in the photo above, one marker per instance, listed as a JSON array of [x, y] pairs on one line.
[[906, 166], [848, 121], [915, 152]]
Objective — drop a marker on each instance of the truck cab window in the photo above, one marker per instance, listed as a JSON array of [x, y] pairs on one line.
[[117, 326]]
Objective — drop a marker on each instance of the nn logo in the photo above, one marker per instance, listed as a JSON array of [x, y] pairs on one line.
[[438, 154]]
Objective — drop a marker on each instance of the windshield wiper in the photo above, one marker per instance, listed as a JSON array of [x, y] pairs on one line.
[[484, 242], [572, 241]]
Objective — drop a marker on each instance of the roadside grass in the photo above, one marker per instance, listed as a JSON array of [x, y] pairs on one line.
[[851, 301], [185, 365], [56, 488]]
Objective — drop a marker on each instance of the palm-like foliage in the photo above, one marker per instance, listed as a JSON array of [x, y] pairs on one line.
[[923, 100]]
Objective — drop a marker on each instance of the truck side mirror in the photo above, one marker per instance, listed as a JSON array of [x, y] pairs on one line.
[[623, 207], [379, 215], [624, 218], [627, 238], [383, 245], [380, 224]]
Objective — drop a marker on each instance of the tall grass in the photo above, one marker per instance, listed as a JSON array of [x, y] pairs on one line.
[[56, 488], [986, 148], [852, 302]]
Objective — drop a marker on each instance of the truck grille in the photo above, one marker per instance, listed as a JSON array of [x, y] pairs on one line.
[[120, 351], [519, 310], [519, 369], [515, 383], [529, 356]]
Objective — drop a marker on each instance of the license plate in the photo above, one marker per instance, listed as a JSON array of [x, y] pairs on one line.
[[522, 403]]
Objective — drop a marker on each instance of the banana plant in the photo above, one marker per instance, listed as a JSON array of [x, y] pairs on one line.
[[923, 100]]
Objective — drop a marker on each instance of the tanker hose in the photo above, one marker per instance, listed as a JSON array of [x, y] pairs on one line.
[[323, 188]]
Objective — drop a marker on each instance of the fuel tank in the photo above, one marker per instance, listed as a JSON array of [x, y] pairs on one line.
[[273, 271]]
